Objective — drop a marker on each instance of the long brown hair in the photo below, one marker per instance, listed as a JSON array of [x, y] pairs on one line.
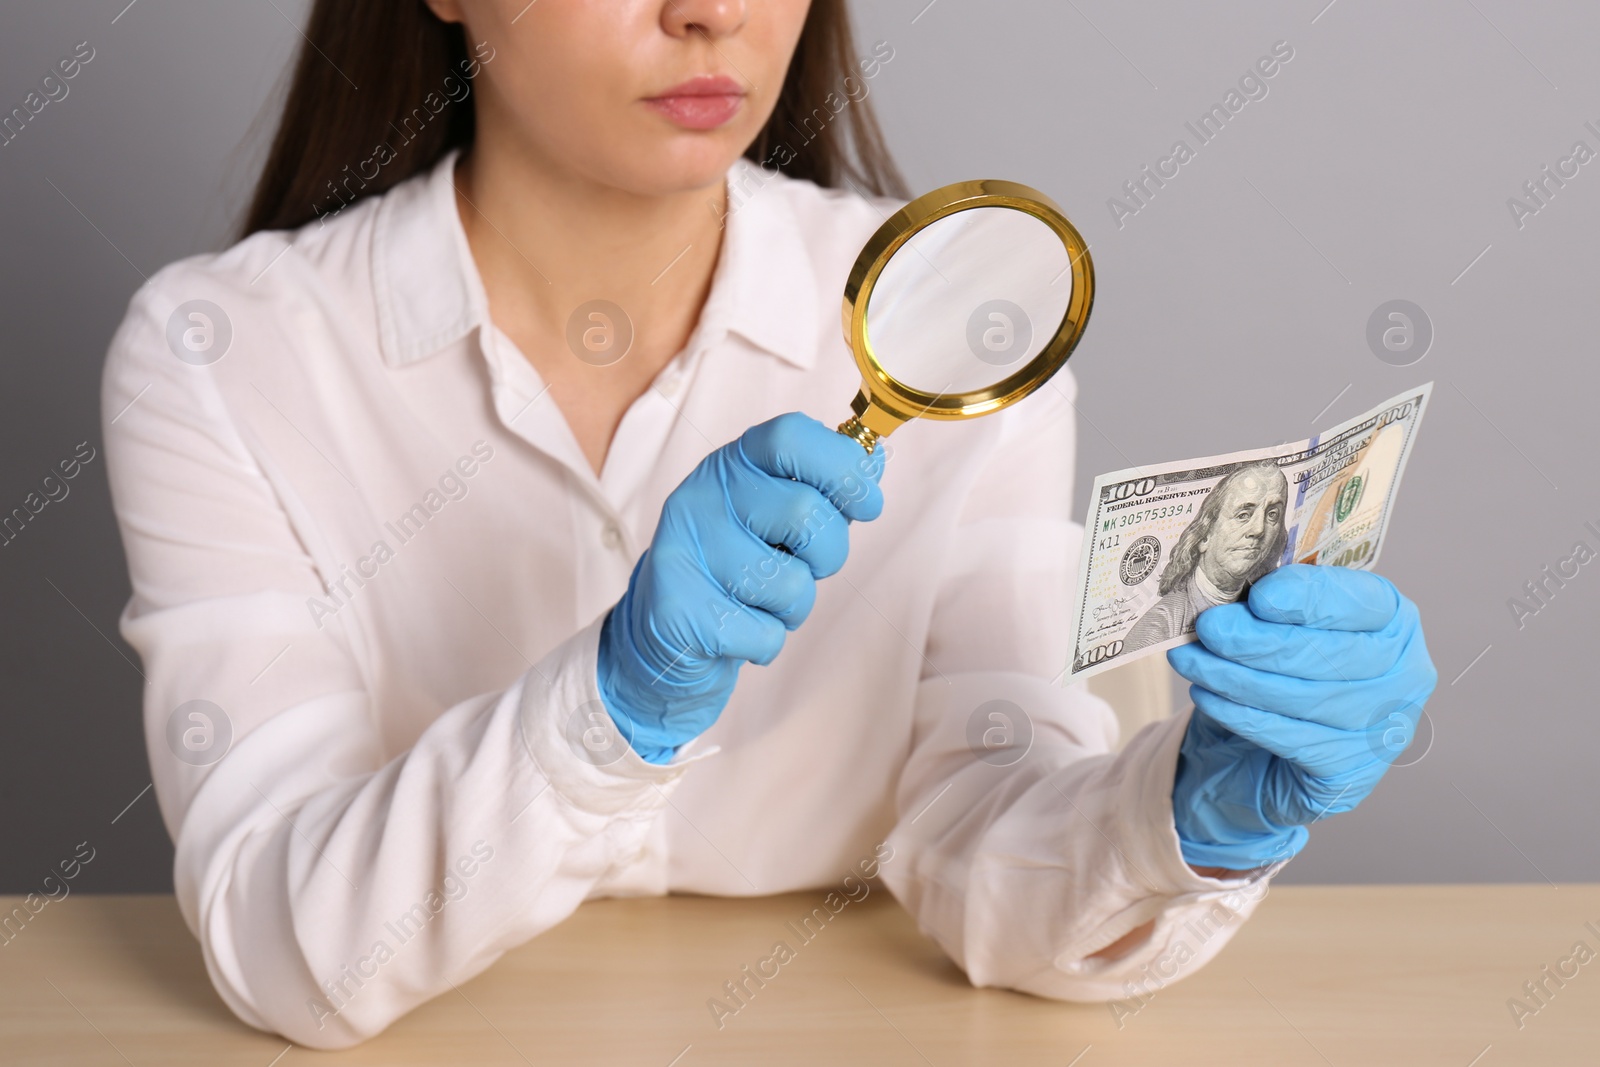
[[400, 55]]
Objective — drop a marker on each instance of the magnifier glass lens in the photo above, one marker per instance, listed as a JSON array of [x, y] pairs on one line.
[[962, 303], [968, 300]]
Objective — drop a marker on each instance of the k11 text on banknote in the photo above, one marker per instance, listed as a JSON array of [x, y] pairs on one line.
[[1163, 543]]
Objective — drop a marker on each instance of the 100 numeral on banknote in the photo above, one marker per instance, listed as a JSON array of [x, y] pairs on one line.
[[1164, 543]]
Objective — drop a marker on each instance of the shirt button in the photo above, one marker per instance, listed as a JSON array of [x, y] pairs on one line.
[[670, 386], [611, 536]]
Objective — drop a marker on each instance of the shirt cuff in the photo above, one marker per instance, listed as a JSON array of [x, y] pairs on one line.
[[1150, 830], [576, 746]]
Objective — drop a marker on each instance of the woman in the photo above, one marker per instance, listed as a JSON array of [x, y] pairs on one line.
[[450, 498]]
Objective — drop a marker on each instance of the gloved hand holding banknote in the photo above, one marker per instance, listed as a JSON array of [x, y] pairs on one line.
[[1302, 673]]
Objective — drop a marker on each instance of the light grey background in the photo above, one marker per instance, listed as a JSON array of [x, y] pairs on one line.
[[1231, 313]]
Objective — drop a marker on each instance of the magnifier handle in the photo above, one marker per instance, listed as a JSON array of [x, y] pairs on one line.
[[871, 419], [860, 433]]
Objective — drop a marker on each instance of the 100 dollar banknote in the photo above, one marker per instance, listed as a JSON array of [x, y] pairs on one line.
[[1163, 543]]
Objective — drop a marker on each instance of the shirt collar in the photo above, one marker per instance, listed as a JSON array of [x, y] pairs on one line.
[[429, 293]]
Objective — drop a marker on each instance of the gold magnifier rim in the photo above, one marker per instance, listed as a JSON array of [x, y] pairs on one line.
[[904, 402]]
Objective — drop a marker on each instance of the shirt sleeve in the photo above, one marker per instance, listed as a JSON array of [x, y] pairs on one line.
[[1023, 845], [332, 887]]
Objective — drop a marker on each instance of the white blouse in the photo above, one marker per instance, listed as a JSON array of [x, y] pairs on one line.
[[369, 563]]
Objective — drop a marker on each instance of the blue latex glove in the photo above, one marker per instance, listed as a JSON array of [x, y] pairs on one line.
[[1304, 694], [712, 592]]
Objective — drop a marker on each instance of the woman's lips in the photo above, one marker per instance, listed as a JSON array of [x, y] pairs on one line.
[[701, 103]]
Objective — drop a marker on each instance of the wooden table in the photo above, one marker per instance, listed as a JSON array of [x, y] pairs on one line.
[[1322, 975]]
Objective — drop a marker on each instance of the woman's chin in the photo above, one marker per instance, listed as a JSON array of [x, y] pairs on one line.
[[678, 162]]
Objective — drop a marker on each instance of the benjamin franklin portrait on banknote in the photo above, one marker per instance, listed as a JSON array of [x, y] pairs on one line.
[[1237, 536]]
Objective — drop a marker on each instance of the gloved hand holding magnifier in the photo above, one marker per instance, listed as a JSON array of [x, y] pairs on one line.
[[963, 302]]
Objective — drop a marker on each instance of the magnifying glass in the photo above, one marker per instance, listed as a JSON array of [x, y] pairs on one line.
[[963, 302]]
